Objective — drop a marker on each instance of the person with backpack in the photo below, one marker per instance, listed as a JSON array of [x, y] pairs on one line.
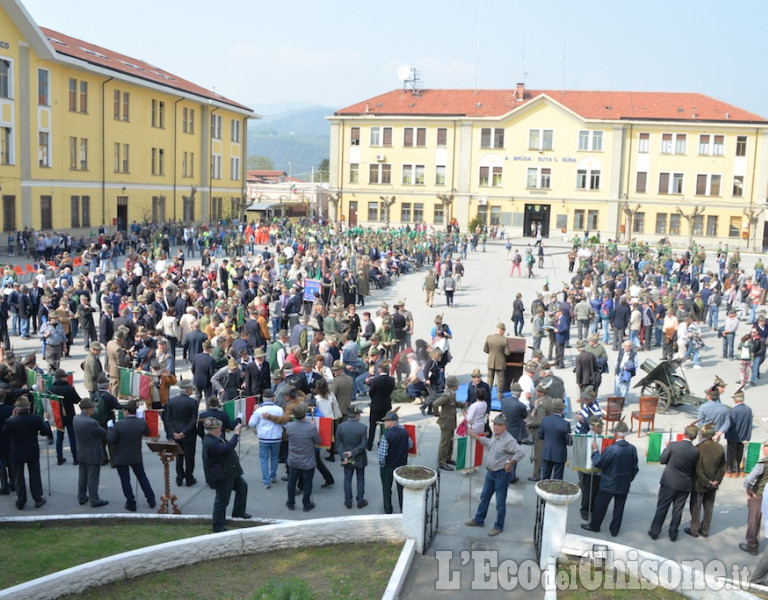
[[517, 260]]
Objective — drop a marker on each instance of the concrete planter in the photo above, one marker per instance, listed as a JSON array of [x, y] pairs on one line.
[[415, 481], [558, 495]]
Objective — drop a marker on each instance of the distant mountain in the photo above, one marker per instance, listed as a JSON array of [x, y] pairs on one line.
[[299, 136]]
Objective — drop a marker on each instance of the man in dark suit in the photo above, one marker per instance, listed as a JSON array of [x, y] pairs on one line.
[[515, 413], [351, 442], [181, 419], [306, 380], [555, 431], [125, 438], [381, 399], [586, 365], [69, 397], [203, 371], [253, 332], [620, 320], [257, 375], [619, 467], [676, 482], [497, 350], [194, 340], [90, 453], [22, 430]]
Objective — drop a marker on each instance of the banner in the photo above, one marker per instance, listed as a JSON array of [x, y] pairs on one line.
[[152, 417], [462, 447], [135, 384], [657, 443], [325, 428], [751, 456], [411, 429], [145, 387], [56, 410], [125, 382]]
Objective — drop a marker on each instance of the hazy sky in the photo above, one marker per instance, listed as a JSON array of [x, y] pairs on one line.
[[339, 52]]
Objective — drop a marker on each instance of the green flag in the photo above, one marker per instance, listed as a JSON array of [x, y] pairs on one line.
[[654, 447], [125, 381], [461, 452], [752, 456]]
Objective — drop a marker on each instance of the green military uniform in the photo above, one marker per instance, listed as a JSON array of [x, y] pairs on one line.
[[445, 407]]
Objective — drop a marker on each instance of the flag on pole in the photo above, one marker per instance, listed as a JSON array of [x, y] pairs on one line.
[[751, 456], [462, 449], [325, 428], [657, 443], [250, 406], [31, 378], [145, 387], [125, 382], [135, 381], [233, 408], [411, 429], [56, 410], [152, 417]]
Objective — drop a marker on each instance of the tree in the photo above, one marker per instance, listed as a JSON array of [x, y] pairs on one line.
[[753, 217], [690, 217], [386, 205], [260, 163], [629, 213], [323, 170]]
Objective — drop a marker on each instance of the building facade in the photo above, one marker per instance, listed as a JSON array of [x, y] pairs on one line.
[[625, 164], [90, 137]]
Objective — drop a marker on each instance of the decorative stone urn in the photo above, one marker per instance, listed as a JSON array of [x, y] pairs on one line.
[[558, 495], [415, 481]]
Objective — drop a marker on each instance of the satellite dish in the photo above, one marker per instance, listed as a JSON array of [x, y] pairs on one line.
[[403, 71]]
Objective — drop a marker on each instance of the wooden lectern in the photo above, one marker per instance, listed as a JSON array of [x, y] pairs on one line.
[[515, 360], [167, 452]]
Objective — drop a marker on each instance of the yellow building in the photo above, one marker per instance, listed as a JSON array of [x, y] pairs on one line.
[[644, 164], [89, 136]]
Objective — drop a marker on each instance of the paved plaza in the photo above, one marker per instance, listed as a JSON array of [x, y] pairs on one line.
[[485, 299]]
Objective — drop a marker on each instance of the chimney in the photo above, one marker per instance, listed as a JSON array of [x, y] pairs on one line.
[[520, 92]]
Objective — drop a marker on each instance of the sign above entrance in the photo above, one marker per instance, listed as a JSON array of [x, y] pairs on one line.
[[548, 159]]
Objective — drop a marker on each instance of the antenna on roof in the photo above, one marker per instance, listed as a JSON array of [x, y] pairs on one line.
[[410, 75]]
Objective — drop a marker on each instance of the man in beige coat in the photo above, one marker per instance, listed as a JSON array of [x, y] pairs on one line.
[[497, 350], [92, 367], [117, 357]]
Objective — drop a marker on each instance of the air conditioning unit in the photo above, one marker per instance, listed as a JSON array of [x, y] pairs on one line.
[[380, 157], [482, 201]]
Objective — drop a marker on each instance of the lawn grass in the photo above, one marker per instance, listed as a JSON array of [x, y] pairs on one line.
[[349, 572], [31, 552], [606, 588]]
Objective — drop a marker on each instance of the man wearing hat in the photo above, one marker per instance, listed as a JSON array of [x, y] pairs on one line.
[[22, 430], [90, 453], [501, 455], [307, 378], [54, 338], [203, 371], [180, 421], [352, 440], [270, 435], [755, 486], [125, 437], [257, 375], [710, 470], [618, 465], [589, 408], [712, 411], [528, 393], [392, 453], [585, 366], [556, 433], [213, 409], [282, 387], [228, 381], [69, 398], [446, 420], [380, 392], [223, 473], [543, 407], [677, 480], [303, 437], [117, 357], [738, 432], [497, 350], [429, 286], [515, 413], [342, 387], [92, 367], [595, 348], [476, 384]]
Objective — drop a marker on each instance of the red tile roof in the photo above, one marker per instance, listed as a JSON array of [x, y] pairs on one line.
[[588, 104], [96, 55]]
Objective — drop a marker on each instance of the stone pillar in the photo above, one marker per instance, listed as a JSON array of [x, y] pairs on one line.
[[558, 495], [415, 481]]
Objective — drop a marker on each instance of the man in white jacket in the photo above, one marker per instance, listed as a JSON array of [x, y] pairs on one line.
[[270, 435]]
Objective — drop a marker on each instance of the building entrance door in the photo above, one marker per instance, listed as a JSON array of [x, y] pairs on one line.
[[353, 213], [122, 213], [535, 214]]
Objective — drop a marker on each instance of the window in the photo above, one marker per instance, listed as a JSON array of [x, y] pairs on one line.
[[158, 162], [46, 212], [420, 137], [405, 212], [492, 138], [673, 143], [698, 225], [592, 219], [407, 174], [673, 186], [74, 208], [187, 164], [442, 137], [677, 183], [703, 144], [712, 225], [439, 214], [6, 78], [6, 146], [158, 209], [375, 136], [642, 182], [121, 105], [85, 206], [9, 213], [72, 94], [83, 154], [188, 120], [419, 175], [738, 185], [234, 167], [440, 175], [43, 149], [540, 139], [386, 136], [83, 96], [235, 127], [588, 179], [373, 211], [734, 227], [354, 136], [216, 127], [158, 115], [591, 140], [482, 213], [380, 173], [661, 223], [215, 166], [418, 212], [484, 172], [413, 174], [578, 219], [121, 158], [663, 183], [539, 178], [43, 87], [680, 143], [718, 147], [741, 145], [643, 143], [707, 185], [674, 224], [496, 180], [666, 143], [638, 223], [495, 215], [354, 172]]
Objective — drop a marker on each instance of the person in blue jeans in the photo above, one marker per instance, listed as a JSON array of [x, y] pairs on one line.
[[270, 435], [502, 452]]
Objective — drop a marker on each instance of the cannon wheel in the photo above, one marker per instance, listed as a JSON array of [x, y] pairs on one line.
[[657, 388]]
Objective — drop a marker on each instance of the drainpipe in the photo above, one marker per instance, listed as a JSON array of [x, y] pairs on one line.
[[103, 155], [210, 168], [175, 163]]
